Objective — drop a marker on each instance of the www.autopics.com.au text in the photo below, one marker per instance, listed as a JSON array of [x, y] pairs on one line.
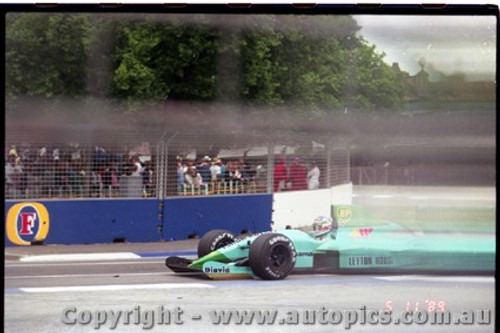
[[161, 315]]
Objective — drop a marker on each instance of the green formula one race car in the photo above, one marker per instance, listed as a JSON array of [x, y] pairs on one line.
[[327, 248]]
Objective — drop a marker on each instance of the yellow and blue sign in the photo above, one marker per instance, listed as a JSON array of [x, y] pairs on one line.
[[343, 214], [27, 222]]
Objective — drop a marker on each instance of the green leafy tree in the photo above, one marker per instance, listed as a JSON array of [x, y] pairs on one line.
[[165, 61], [298, 62], [46, 54], [372, 84], [317, 64], [260, 79]]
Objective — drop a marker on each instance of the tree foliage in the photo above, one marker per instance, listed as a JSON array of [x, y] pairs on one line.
[[317, 63], [46, 54], [160, 62], [374, 83]]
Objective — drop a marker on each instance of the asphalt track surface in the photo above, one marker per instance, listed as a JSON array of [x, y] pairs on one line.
[[82, 288]]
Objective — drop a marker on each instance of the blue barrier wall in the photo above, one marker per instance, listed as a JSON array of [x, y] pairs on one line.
[[184, 217], [133, 220], [97, 221]]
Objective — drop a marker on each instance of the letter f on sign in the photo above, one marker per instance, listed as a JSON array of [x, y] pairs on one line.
[[27, 223]]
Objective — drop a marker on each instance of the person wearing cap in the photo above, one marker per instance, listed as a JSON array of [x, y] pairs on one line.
[[215, 170], [204, 169]]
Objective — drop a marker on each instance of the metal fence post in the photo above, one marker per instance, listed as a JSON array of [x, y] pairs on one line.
[[270, 167], [165, 168], [328, 163]]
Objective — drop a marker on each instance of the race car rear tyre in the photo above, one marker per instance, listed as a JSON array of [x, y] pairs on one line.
[[272, 256], [214, 240]]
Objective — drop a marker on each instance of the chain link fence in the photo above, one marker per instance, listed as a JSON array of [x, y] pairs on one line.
[[161, 165]]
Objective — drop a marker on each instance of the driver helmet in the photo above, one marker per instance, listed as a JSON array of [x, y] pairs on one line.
[[322, 226]]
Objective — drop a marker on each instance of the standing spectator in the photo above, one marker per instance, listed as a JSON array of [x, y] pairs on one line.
[[280, 174], [110, 178], [247, 174], [261, 178], [71, 173], [147, 179], [189, 164], [234, 172], [222, 171], [13, 173], [61, 177], [227, 171], [204, 169], [234, 177], [313, 177], [99, 162], [181, 170], [31, 173], [99, 158], [136, 167], [79, 177], [215, 170], [298, 175], [193, 178], [96, 184], [13, 152]]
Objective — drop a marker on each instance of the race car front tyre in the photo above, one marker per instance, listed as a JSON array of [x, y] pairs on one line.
[[214, 240], [272, 256]]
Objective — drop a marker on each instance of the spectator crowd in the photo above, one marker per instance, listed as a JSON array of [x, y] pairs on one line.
[[296, 177], [213, 176], [74, 171]]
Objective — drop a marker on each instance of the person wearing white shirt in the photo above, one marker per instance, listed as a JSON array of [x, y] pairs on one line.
[[193, 178], [137, 167], [215, 170], [13, 172], [313, 177]]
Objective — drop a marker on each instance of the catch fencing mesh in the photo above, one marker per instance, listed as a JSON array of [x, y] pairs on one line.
[[167, 164]]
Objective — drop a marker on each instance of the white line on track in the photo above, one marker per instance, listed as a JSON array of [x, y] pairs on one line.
[[426, 197], [144, 261], [382, 196], [450, 198], [481, 279], [84, 275], [116, 287], [81, 257]]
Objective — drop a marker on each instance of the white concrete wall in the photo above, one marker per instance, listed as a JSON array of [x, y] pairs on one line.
[[300, 208], [342, 194]]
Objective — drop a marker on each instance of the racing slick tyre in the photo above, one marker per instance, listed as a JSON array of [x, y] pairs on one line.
[[214, 240], [272, 256]]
